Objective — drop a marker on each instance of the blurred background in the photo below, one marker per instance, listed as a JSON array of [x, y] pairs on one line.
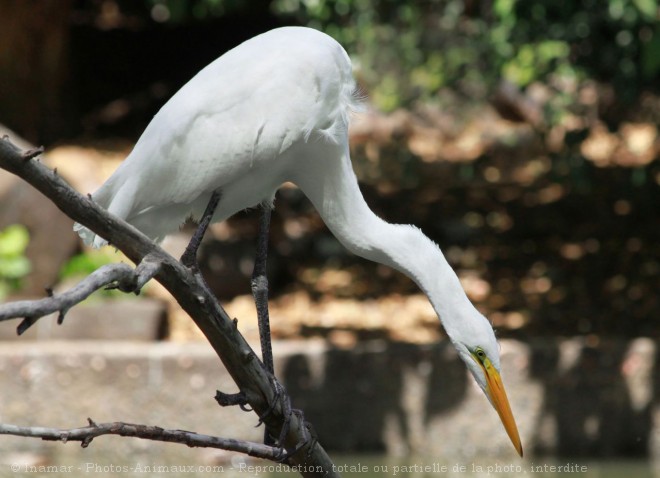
[[522, 136]]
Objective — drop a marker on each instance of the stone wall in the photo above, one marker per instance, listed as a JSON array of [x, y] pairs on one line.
[[571, 397]]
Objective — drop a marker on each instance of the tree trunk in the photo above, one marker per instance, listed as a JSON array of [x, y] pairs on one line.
[[33, 66]]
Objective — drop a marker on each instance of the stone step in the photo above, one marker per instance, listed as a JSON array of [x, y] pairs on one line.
[[569, 396], [143, 319]]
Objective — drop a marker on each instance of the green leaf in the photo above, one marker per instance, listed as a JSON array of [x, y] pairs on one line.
[[14, 267], [13, 240], [4, 290], [88, 262], [504, 9], [651, 56], [647, 8]]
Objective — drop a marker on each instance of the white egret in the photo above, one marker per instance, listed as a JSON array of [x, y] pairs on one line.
[[275, 109]]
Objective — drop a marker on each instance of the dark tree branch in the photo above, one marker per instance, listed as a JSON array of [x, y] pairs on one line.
[[85, 435], [189, 290]]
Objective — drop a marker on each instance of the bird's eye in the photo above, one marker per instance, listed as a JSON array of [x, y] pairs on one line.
[[481, 355]]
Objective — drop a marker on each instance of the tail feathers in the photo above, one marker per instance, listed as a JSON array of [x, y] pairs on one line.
[[155, 223], [89, 238], [115, 196]]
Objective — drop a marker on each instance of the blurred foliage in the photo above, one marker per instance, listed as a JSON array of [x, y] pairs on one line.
[[87, 262], [180, 11], [83, 264], [616, 41], [412, 50], [407, 51], [14, 265]]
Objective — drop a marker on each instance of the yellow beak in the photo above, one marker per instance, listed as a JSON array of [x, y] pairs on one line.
[[501, 403]]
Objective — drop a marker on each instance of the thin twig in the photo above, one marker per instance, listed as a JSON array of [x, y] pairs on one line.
[[120, 276], [85, 435], [35, 309]]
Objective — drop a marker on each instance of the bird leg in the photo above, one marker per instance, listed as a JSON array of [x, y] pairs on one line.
[[260, 289], [260, 294], [189, 257]]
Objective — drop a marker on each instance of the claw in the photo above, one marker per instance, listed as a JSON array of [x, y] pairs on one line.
[[288, 411], [307, 438]]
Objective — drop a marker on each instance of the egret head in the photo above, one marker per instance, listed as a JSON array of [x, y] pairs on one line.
[[478, 348]]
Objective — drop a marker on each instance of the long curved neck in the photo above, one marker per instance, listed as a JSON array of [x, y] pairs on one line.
[[330, 183]]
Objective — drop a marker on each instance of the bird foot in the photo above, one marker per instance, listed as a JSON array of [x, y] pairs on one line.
[[305, 428], [308, 436]]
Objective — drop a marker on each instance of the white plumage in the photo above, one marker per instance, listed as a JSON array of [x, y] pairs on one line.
[[275, 109], [235, 127]]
